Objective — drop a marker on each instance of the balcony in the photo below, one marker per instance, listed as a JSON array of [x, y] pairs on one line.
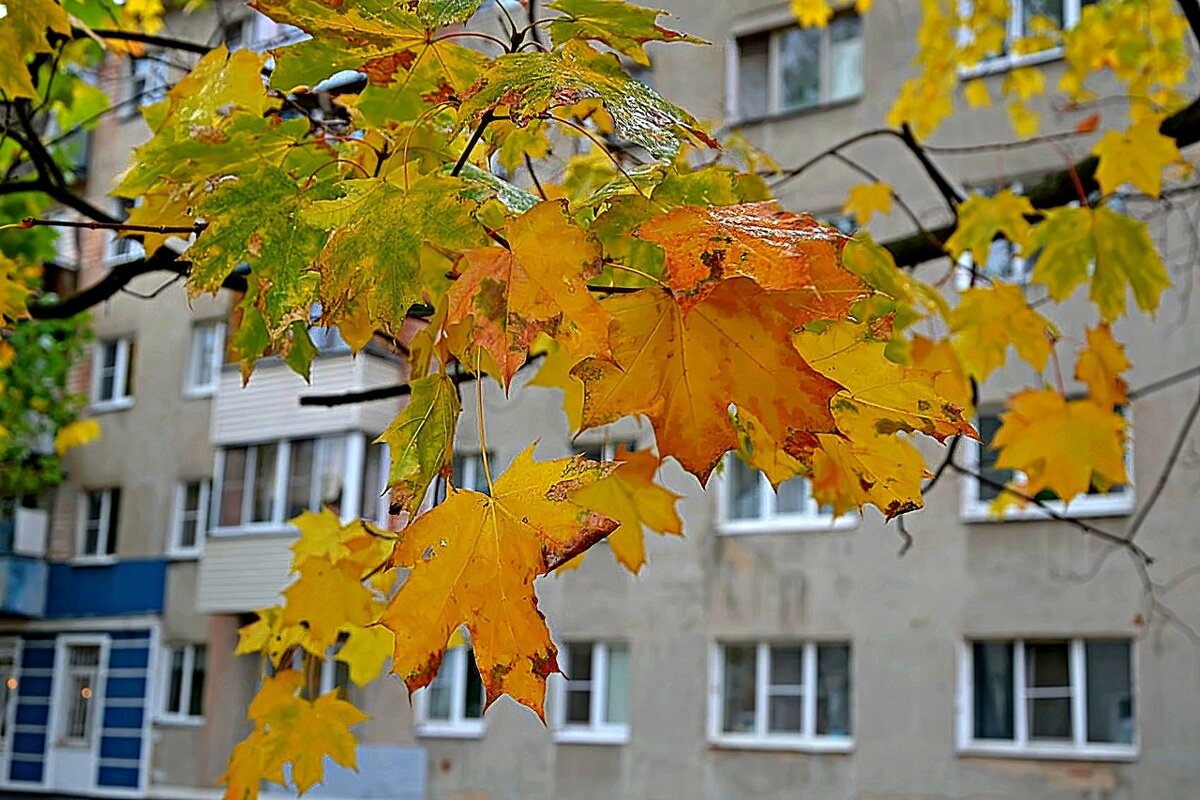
[[23, 570]]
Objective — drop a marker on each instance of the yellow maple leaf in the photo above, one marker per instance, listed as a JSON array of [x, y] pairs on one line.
[[867, 199], [366, 651], [1024, 83], [76, 434], [990, 319], [942, 362], [506, 297], [812, 13], [1061, 445], [23, 29], [473, 559], [1024, 120], [631, 497], [163, 206], [976, 94], [1111, 250], [326, 597], [421, 440], [981, 218], [859, 466], [1137, 157], [774, 459], [1100, 366]]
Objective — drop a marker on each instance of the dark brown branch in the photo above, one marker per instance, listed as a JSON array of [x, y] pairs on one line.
[[1056, 189], [369, 395], [31, 222], [16, 187], [157, 41]]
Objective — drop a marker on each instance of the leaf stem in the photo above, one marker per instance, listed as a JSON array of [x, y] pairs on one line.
[[483, 451]]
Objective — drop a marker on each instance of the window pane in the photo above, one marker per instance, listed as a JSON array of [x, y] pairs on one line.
[[175, 688], [845, 57], [792, 497], [199, 670], [785, 714], [300, 477], [91, 537], [743, 489], [787, 666], [109, 535], [833, 690], [204, 345], [264, 483], [1050, 718], [372, 482], [233, 486], [438, 697], [473, 708], [800, 62], [738, 691], [330, 471], [1109, 693], [190, 516], [1050, 9], [108, 370], [1047, 665], [616, 707], [993, 666], [753, 75], [130, 363], [579, 703], [987, 459], [580, 662]]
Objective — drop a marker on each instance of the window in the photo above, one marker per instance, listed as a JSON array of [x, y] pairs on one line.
[[98, 528], [269, 484], [373, 505], [782, 695], [81, 681], [978, 495], [593, 701], [792, 68], [606, 450], [205, 354], [1028, 18], [112, 374], [186, 670], [452, 704], [1055, 697], [122, 249], [147, 82], [191, 518], [750, 505]]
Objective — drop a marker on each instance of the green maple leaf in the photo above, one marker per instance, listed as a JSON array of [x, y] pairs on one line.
[[23, 32], [529, 85], [382, 231], [1113, 249], [421, 439], [623, 27], [381, 38]]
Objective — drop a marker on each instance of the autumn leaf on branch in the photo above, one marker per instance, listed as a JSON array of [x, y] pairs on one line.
[[624, 27], [473, 560], [421, 440], [23, 31], [990, 319], [1100, 365], [868, 199], [981, 219]]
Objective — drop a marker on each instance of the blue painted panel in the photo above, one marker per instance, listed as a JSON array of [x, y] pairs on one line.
[[122, 717], [37, 654], [120, 747], [134, 586], [30, 771], [128, 636], [125, 687], [125, 777], [36, 686], [128, 658], [29, 743], [24, 581], [33, 714]]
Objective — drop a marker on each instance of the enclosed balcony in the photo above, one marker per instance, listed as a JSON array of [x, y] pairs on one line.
[[23, 568]]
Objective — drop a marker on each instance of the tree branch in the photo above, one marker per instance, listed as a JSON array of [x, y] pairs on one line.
[[145, 38]]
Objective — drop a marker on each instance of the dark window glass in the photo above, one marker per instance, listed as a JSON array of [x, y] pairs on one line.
[[738, 691], [1109, 692], [993, 681]]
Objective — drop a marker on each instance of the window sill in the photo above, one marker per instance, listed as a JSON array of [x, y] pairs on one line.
[[109, 406], [111, 261], [199, 392], [781, 116], [1082, 508], [254, 529], [167, 721], [93, 561], [829, 745], [1002, 64], [184, 555], [428, 730], [589, 736], [788, 525], [1051, 752]]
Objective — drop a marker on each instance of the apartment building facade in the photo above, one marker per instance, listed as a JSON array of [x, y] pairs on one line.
[[774, 652]]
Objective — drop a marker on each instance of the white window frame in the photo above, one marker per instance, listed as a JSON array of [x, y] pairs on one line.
[[774, 24], [1021, 746], [458, 726], [122, 249], [380, 513], [192, 388], [768, 521], [62, 672], [806, 741], [176, 548], [122, 397], [597, 730], [1010, 61], [1113, 504], [182, 716], [10, 646], [351, 483], [108, 527]]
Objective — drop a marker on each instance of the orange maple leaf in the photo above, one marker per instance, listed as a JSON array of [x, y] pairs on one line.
[[473, 561]]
